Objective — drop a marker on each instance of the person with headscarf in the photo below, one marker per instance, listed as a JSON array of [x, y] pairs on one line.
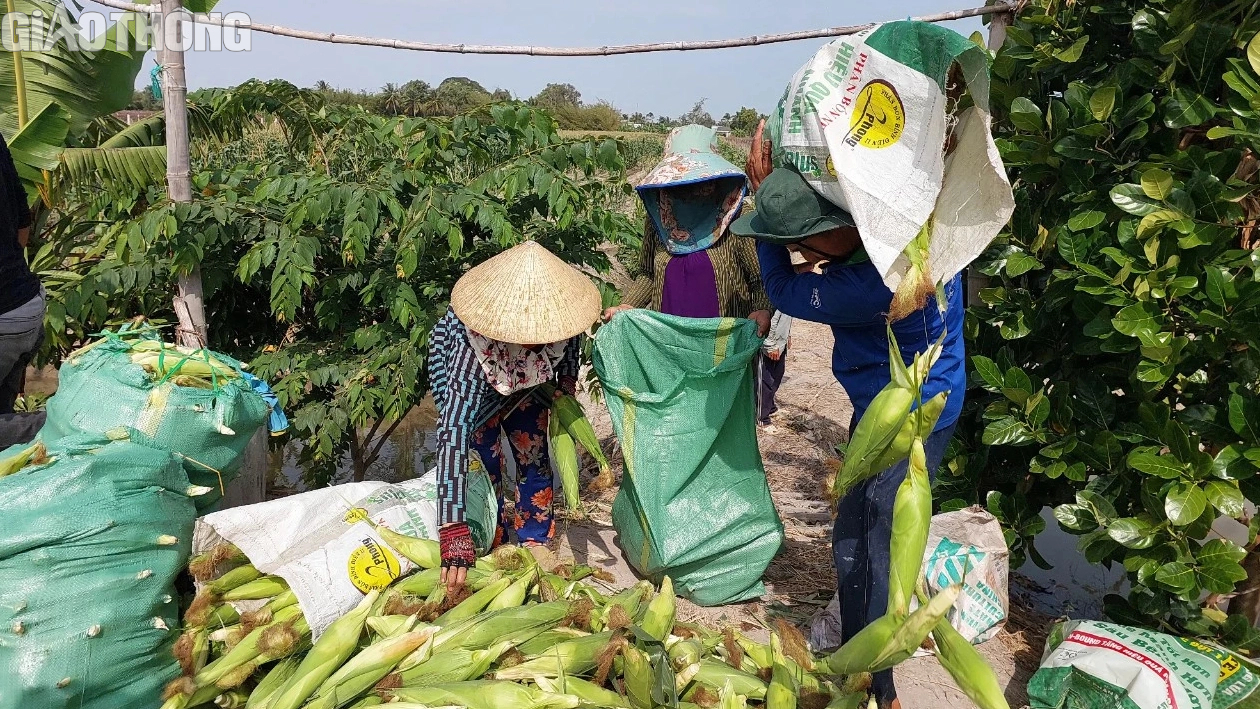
[[515, 323], [688, 266]]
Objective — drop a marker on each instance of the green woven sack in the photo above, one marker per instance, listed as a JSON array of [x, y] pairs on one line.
[[694, 503], [100, 389], [92, 543]]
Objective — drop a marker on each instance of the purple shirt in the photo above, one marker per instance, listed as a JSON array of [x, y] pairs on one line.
[[690, 287]]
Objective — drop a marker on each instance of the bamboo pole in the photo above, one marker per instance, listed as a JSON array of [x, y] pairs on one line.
[[757, 40], [19, 70], [189, 307]]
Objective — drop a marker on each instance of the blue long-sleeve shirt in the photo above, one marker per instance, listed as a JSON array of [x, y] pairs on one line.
[[851, 297]]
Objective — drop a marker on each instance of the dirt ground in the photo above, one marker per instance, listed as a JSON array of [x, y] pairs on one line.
[[813, 416]]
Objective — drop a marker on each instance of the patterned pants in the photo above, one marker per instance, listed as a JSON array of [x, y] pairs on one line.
[[526, 428]]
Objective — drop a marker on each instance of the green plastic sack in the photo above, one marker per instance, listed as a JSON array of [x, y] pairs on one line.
[[99, 389], [694, 503], [92, 543]]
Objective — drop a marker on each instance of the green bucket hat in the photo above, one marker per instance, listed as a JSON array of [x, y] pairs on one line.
[[789, 211]]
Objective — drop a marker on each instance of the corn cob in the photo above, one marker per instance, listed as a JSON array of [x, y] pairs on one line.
[[572, 657], [574, 421], [628, 601], [272, 682], [452, 666], [918, 425], [483, 694], [912, 517], [854, 700], [874, 434], [589, 693], [715, 675], [544, 641], [256, 590], [370, 700], [235, 578], [974, 676], [263, 615], [684, 653], [424, 553], [637, 676], [782, 692], [422, 583], [513, 595], [917, 283], [234, 699], [729, 699], [761, 655], [251, 649], [889, 640], [32, 454], [515, 624], [387, 626], [474, 604], [658, 619], [332, 649], [564, 453], [365, 669]]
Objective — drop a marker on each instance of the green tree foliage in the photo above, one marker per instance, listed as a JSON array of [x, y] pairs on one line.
[[555, 96], [696, 115], [744, 122], [1119, 374], [329, 248]]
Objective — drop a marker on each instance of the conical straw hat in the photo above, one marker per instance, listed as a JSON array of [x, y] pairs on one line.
[[526, 296]]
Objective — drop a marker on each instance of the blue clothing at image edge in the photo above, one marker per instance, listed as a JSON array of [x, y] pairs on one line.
[[851, 297]]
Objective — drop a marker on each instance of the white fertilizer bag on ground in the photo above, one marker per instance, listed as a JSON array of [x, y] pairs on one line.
[[867, 120], [322, 544], [1093, 665]]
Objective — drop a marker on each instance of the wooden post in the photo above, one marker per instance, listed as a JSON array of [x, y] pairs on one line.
[[974, 281], [189, 306], [249, 486]]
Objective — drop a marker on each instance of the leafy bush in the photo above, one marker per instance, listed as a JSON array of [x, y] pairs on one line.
[[327, 258], [1119, 371]]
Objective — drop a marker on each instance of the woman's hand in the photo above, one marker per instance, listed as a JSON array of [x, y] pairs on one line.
[[609, 313], [458, 554], [759, 163], [762, 318]]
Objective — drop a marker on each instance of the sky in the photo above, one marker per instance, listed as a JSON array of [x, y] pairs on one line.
[[665, 83]]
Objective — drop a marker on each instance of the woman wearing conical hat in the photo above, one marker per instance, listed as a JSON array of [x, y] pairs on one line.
[[689, 265], [515, 322]]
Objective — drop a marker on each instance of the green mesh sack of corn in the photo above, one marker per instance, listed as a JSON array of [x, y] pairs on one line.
[[95, 532], [694, 502], [193, 403]]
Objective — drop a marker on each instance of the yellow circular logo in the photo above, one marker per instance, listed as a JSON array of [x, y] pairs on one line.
[[372, 567], [878, 118], [355, 515], [831, 166]]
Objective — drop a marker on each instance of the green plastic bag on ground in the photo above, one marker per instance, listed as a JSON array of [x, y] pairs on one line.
[[100, 389], [694, 503], [92, 542]]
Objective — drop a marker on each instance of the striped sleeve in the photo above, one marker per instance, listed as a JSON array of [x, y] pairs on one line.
[[439, 340], [463, 400], [639, 294], [570, 364]]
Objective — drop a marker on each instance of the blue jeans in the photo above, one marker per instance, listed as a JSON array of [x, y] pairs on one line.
[[859, 545]]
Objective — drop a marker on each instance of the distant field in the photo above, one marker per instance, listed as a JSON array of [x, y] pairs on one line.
[[622, 134]]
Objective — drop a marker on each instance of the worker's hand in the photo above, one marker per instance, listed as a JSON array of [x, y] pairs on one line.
[[762, 318], [609, 313], [759, 163], [775, 356], [458, 554]]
